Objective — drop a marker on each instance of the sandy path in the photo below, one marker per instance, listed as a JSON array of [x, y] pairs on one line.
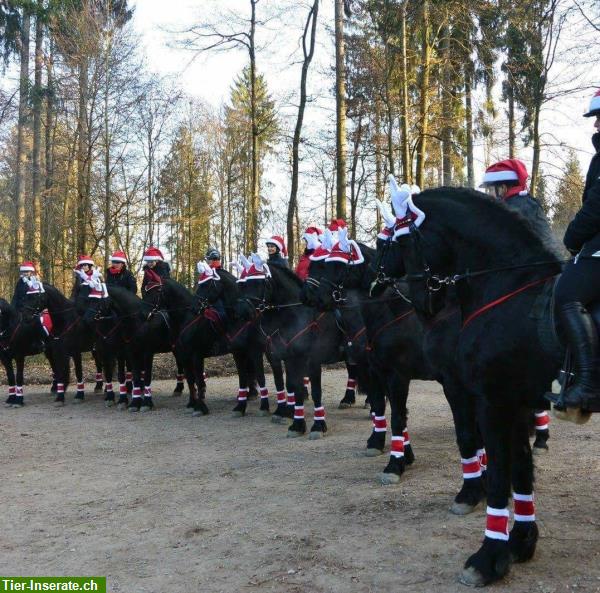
[[163, 502]]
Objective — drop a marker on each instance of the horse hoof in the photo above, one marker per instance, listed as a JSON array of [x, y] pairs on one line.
[[121, 406], [177, 393], [146, 409], [293, 434], [539, 451], [237, 414], [373, 452], [471, 577], [133, 409], [275, 419], [16, 406], [77, 400], [574, 415], [59, 404], [263, 413], [109, 403], [344, 406], [315, 435], [462, 508], [197, 413], [387, 479]]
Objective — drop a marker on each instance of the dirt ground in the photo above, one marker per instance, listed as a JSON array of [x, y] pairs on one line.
[[163, 502]]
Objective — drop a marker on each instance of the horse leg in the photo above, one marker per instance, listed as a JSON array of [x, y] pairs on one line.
[[109, 368], [61, 371], [492, 561], [80, 394], [542, 432], [98, 388], [278, 378], [19, 401], [50, 358], [349, 398], [524, 534], [128, 374], [397, 388], [122, 375], [376, 441], [295, 379], [263, 409], [198, 398], [136, 395], [463, 410], [319, 427], [243, 364], [179, 386], [147, 403], [11, 400]]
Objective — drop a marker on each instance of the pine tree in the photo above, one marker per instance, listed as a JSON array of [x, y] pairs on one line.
[[568, 197]]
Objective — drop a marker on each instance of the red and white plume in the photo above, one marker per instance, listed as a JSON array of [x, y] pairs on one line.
[[323, 250], [404, 208], [346, 250], [206, 273]]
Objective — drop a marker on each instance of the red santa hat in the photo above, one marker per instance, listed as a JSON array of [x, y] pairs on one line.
[[313, 231], [85, 259], [594, 105], [509, 170], [118, 256], [27, 266], [336, 224], [278, 242], [153, 254], [324, 249], [346, 250]]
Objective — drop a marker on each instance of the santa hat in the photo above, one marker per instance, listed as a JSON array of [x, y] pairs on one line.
[[34, 286], [85, 259], [206, 272], [311, 236], [278, 242], [153, 254], [511, 170], [27, 266], [594, 105], [324, 249], [119, 256], [345, 250], [336, 224], [406, 213]]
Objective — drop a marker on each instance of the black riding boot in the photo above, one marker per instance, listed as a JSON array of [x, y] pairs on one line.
[[582, 337]]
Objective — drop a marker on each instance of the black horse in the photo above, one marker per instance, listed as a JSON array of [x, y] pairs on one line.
[[384, 334], [506, 350]]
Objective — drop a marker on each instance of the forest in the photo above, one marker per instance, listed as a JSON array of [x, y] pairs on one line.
[[99, 151]]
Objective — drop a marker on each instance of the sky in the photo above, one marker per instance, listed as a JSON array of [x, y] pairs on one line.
[[209, 77]]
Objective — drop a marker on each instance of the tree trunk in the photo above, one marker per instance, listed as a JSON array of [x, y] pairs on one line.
[[353, 192], [47, 267], [340, 110], [21, 163], [254, 206], [37, 138], [469, 126], [311, 22], [107, 149], [446, 107], [424, 98], [82, 156], [535, 166], [511, 122], [377, 147], [404, 114]]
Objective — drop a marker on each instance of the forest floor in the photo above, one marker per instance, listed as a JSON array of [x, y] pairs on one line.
[[163, 502]]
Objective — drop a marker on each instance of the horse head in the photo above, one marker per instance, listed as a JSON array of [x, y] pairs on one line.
[[209, 288], [256, 288]]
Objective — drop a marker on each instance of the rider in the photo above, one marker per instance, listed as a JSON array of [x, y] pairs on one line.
[[277, 252], [118, 274], [311, 238], [84, 267], [213, 258], [507, 181], [579, 285], [156, 269], [22, 287]]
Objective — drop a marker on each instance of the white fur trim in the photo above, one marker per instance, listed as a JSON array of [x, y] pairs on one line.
[[410, 206], [82, 262], [275, 242], [26, 269], [153, 258], [497, 176], [119, 259]]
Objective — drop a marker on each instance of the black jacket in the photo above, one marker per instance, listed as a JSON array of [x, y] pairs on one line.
[[161, 268], [583, 233], [124, 279], [277, 260], [532, 210]]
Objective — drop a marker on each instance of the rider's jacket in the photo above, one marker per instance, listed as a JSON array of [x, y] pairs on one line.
[[161, 271], [583, 233], [276, 260], [304, 264], [122, 279]]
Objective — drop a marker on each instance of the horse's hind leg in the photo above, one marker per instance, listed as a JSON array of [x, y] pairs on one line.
[[524, 534], [263, 408], [463, 407], [180, 385], [542, 432], [296, 368], [122, 376], [279, 380], [98, 388], [109, 368], [11, 400], [376, 441], [349, 398], [198, 396], [80, 394], [147, 402], [243, 364], [319, 427]]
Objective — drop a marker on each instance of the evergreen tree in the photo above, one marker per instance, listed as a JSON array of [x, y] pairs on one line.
[[569, 192]]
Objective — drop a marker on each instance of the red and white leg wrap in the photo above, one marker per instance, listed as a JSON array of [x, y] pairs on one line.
[[542, 420], [471, 468], [264, 393], [19, 390], [281, 399], [108, 387], [12, 390], [243, 394], [306, 382], [137, 392], [406, 439], [128, 376], [319, 413], [60, 389], [483, 461], [496, 526], [291, 399], [351, 385], [180, 378], [147, 391], [524, 507], [379, 424], [122, 389], [397, 447], [80, 386], [204, 375], [298, 412], [99, 377]]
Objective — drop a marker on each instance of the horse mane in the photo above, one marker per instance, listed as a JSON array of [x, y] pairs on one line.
[[124, 300], [6, 307], [517, 239], [286, 274], [179, 290], [54, 296]]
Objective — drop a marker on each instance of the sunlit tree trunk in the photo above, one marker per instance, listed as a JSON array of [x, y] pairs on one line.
[[340, 110]]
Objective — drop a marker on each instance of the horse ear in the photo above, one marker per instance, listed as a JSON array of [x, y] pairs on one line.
[[327, 240], [343, 237], [245, 262], [415, 189], [400, 196], [257, 261], [386, 214]]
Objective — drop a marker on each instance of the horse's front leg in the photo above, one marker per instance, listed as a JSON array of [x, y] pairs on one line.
[[349, 398], [295, 373], [11, 400], [19, 397], [279, 380], [319, 427], [108, 362], [147, 402], [122, 376], [61, 371], [492, 561], [198, 397], [263, 409], [180, 385], [135, 404], [80, 393], [244, 364], [98, 387]]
